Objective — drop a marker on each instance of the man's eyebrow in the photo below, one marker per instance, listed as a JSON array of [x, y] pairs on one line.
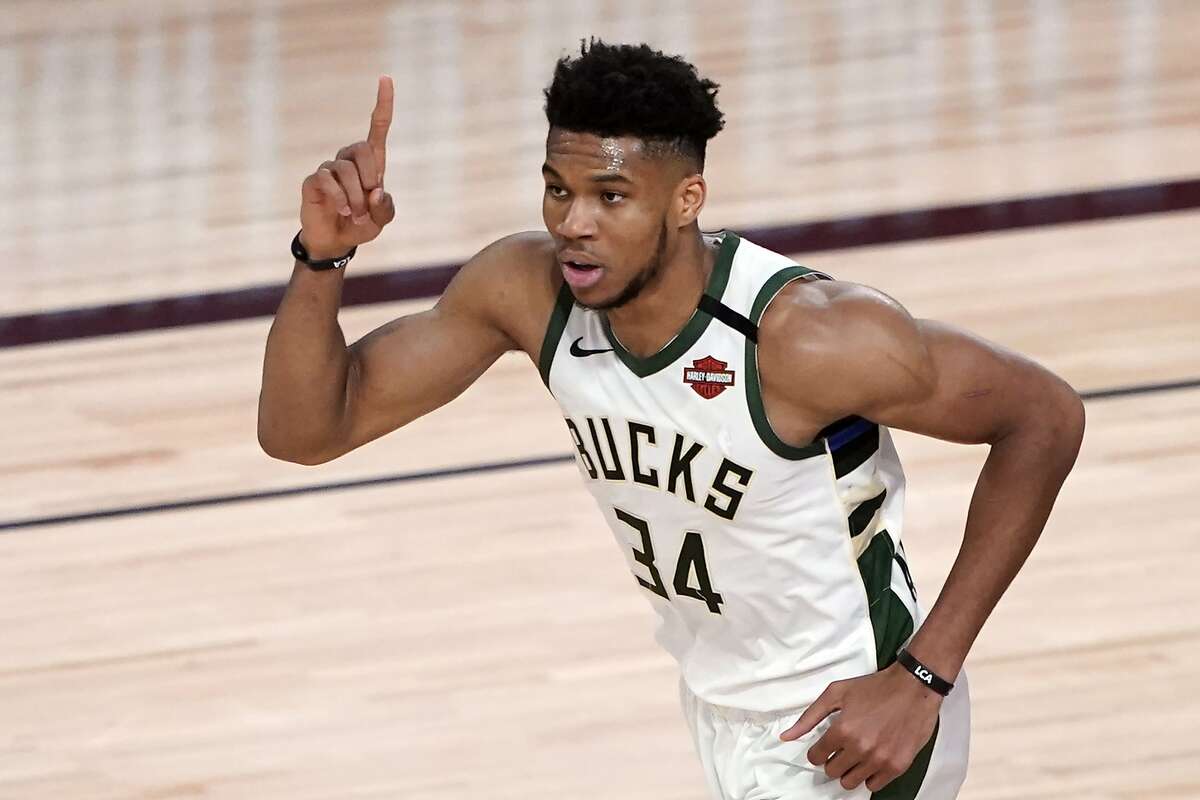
[[603, 177], [610, 177]]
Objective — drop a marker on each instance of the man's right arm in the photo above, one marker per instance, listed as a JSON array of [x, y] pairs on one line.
[[320, 398]]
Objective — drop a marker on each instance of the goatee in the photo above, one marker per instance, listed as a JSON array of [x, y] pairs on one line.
[[640, 281]]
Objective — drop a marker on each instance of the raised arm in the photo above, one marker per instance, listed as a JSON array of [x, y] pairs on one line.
[[320, 398]]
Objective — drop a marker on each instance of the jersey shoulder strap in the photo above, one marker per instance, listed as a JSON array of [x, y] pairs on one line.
[[766, 292], [758, 296]]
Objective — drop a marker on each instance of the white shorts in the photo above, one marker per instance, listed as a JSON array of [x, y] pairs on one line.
[[743, 758]]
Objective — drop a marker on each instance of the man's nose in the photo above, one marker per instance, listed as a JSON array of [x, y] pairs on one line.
[[579, 223]]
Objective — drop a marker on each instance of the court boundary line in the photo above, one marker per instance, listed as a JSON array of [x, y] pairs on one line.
[[417, 282], [437, 474]]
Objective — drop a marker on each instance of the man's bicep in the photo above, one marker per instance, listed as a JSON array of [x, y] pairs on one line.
[[414, 365], [843, 349], [422, 361], [971, 390]]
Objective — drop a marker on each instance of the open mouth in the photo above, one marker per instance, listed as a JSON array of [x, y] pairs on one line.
[[580, 275]]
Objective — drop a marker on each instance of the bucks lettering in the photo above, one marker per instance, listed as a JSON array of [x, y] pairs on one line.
[[636, 454]]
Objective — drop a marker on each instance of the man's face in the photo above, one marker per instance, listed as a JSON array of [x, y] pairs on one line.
[[606, 204]]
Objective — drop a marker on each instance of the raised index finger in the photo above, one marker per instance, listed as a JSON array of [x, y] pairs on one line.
[[381, 120]]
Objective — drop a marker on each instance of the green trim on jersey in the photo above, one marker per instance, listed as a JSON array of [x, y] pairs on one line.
[[893, 625], [754, 400], [554, 330], [908, 783], [889, 616], [696, 325]]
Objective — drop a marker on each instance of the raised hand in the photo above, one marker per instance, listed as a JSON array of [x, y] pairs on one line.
[[343, 204]]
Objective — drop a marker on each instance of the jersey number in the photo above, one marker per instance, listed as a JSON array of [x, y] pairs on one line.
[[691, 559]]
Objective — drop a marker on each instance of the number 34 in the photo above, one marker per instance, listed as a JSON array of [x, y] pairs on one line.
[[691, 557]]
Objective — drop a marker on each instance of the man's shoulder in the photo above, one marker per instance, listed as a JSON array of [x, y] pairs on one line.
[[514, 280], [832, 339], [825, 314], [527, 255]]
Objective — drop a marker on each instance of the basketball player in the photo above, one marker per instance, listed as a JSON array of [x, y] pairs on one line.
[[730, 413]]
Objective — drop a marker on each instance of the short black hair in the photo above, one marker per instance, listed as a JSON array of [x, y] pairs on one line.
[[634, 90]]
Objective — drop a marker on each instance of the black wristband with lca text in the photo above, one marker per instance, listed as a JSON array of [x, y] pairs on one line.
[[923, 673], [300, 253]]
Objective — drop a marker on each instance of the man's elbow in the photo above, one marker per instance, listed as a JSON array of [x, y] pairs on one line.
[[297, 456], [1066, 420], [1049, 423], [283, 447], [1078, 418]]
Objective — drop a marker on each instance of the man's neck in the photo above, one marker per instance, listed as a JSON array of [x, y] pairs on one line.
[[661, 310]]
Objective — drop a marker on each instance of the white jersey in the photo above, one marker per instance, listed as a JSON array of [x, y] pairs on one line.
[[774, 569]]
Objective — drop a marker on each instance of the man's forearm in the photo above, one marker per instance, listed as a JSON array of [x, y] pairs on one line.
[[1011, 503], [305, 367]]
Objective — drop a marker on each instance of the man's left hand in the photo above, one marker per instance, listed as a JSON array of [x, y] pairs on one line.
[[884, 720]]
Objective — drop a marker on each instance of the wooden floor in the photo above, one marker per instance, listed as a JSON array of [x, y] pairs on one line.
[[479, 636]]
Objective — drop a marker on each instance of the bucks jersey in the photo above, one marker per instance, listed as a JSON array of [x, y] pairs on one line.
[[774, 569]]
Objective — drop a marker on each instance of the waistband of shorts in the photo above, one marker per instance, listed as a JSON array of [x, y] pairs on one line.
[[738, 715]]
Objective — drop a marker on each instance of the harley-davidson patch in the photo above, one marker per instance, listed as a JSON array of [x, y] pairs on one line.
[[708, 377]]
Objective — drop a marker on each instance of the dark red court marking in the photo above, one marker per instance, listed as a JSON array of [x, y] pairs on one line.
[[436, 474], [430, 281]]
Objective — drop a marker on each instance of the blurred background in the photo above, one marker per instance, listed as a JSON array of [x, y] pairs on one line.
[[443, 613]]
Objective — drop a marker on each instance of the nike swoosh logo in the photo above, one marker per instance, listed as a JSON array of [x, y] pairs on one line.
[[579, 352]]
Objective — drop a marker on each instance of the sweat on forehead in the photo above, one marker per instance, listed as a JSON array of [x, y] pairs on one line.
[[614, 151]]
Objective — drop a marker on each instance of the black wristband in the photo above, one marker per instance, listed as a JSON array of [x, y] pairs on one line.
[[300, 252], [923, 673]]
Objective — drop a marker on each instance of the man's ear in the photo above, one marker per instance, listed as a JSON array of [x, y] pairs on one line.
[[689, 199]]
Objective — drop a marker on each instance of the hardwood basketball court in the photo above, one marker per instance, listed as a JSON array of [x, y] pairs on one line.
[[443, 613]]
